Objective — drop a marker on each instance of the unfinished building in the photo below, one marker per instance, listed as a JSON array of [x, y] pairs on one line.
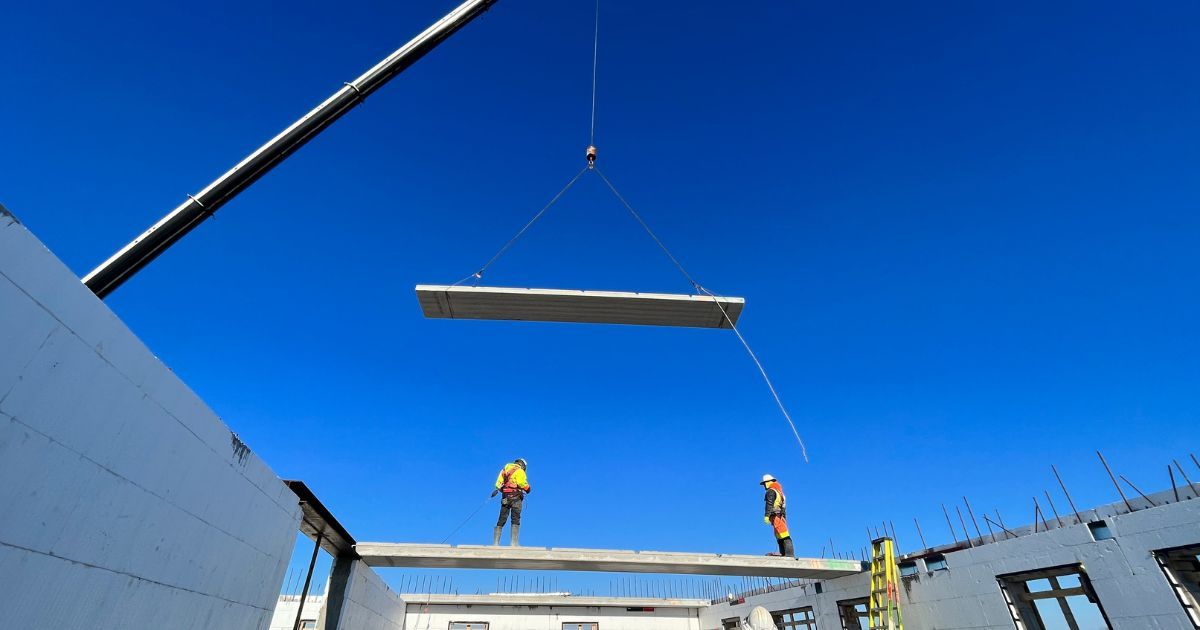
[[197, 531]]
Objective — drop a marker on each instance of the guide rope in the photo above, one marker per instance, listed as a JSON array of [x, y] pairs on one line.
[[762, 370], [716, 300], [468, 520]]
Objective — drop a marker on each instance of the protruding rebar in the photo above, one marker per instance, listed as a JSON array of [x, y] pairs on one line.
[[949, 524], [1174, 489], [1067, 494], [1054, 509], [1185, 477], [989, 526], [1001, 519], [966, 533], [1037, 511], [1135, 489], [973, 521], [1114, 480], [988, 520]]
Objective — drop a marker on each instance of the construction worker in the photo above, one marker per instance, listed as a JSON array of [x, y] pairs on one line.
[[514, 485], [776, 515]]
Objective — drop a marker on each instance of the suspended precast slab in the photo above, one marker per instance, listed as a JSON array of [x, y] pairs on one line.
[[606, 560], [592, 307]]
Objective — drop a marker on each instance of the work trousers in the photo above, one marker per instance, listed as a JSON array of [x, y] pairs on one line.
[[511, 503], [782, 535]]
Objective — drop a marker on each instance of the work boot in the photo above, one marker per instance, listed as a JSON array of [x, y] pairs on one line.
[[788, 551], [496, 535], [516, 536]]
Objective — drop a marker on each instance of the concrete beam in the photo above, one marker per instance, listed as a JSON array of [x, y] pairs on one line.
[[559, 559], [594, 307], [318, 521], [549, 599]]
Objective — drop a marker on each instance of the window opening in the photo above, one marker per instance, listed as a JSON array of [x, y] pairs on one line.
[[1052, 599], [854, 613], [795, 619], [1181, 566], [936, 563], [587, 625], [468, 625]]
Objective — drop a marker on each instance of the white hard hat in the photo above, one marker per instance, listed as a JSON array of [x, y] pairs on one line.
[[760, 619], [767, 477]]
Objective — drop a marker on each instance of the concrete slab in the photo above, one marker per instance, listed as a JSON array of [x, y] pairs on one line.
[[548, 599], [563, 305], [608, 560]]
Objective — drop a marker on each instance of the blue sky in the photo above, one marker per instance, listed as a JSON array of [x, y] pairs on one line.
[[966, 235]]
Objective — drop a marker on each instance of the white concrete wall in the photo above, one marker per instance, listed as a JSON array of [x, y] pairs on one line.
[[369, 604], [285, 611], [1130, 586], [125, 502], [439, 617]]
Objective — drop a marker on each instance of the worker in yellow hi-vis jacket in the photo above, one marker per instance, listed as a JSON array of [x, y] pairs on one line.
[[776, 515], [513, 483]]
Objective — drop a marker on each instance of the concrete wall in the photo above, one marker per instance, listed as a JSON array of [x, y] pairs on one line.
[[368, 603], [285, 611], [127, 503], [1128, 582], [439, 617]]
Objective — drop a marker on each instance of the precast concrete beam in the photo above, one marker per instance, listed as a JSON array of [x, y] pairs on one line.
[[549, 599], [606, 560], [593, 307]]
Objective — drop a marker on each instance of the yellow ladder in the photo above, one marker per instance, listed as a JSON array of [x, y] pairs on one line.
[[884, 609]]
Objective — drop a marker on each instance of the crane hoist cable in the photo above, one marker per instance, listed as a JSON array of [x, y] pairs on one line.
[[590, 154], [595, 62]]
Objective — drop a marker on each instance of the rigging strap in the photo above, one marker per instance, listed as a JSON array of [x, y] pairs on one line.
[[479, 274]]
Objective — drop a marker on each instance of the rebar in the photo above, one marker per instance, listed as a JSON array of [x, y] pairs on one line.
[[1067, 494], [921, 535], [1054, 509], [949, 524], [1135, 489], [1114, 480]]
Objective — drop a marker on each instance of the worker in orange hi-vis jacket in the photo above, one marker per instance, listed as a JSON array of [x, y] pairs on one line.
[[776, 515], [514, 485]]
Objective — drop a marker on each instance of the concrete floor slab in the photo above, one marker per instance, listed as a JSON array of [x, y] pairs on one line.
[[607, 560], [548, 599], [561, 305]]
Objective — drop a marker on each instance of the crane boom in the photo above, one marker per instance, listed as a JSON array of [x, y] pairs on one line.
[[105, 278]]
